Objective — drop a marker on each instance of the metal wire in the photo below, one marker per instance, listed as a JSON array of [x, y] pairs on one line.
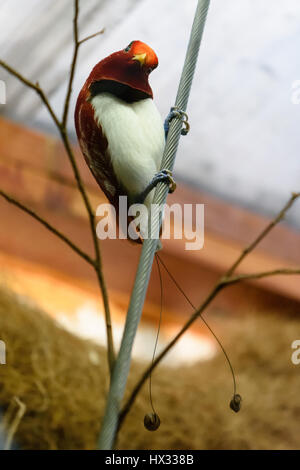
[[122, 365]]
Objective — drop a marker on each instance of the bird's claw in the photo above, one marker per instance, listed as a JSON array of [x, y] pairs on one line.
[[163, 176], [168, 177], [178, 113]]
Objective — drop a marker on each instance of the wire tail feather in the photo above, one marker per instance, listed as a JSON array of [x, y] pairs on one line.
[[158, 258]]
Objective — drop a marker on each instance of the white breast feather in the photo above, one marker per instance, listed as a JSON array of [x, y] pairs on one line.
[[135, 137]]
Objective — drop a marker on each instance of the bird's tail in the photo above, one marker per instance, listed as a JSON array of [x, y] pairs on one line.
[[178, 286], [163, 264]]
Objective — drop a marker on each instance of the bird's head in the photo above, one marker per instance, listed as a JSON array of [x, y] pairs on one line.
[[125, 73], [140, 52]]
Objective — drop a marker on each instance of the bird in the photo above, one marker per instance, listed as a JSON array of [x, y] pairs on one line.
[[120, 130]]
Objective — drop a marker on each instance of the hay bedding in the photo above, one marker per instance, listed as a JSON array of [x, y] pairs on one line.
[[62, 381]]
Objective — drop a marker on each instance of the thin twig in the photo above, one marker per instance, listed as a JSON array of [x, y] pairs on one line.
[[224, 281], [34, 86], [91, 36], [244, 277], [263, 234], [46, 224], [73, 64], [77, 43]]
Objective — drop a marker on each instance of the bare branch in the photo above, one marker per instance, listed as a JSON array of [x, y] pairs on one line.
[[64, 136], [62, 128], [34, 86], [225, 281], [46, 224]]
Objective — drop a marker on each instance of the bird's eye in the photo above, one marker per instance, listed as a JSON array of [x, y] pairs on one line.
[[127, 49]]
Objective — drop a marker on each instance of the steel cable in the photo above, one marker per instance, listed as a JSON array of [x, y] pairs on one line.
[[122, 365]]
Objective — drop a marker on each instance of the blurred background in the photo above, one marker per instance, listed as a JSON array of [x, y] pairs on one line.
[[240, 159]]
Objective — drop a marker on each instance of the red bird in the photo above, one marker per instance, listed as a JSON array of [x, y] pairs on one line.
[[119, 128]]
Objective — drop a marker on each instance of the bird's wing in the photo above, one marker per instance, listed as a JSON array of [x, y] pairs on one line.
[[94, 146]]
